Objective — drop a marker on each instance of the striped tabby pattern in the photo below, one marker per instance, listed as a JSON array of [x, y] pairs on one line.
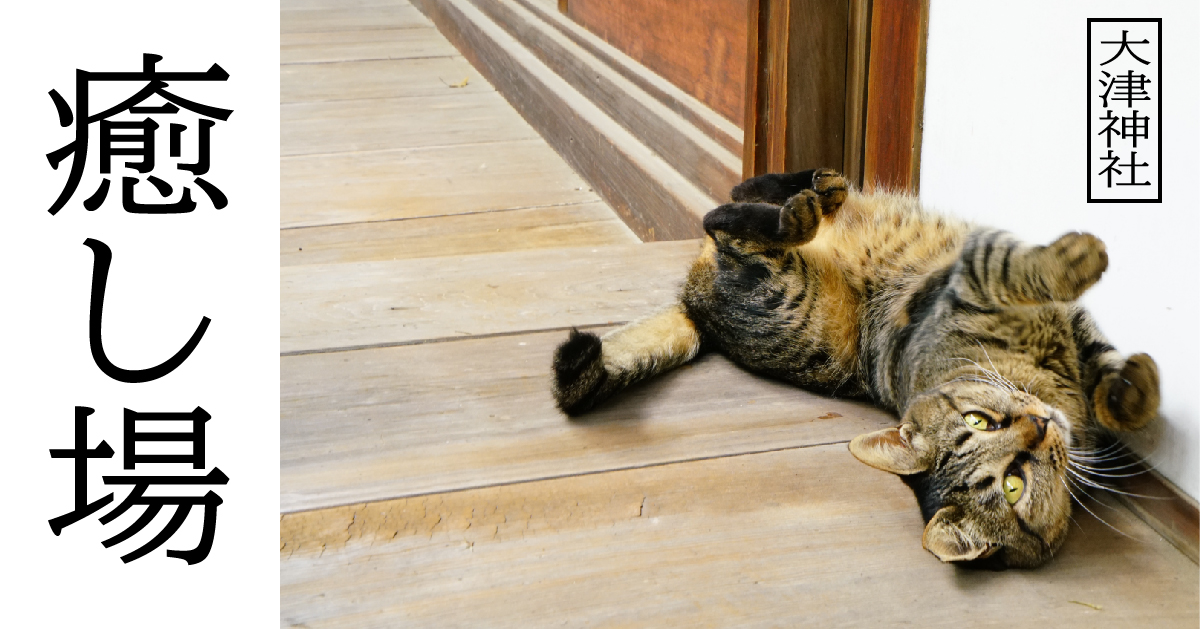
[[973, 338]]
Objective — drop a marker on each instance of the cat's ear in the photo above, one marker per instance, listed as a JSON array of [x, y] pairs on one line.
[[949, 540], [896, 450]]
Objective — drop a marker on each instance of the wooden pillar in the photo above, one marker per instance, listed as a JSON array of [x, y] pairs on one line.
[[895, 94], [837, 83]]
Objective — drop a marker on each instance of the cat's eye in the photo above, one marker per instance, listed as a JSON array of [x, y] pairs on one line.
[[1014, 486], [975, 420]]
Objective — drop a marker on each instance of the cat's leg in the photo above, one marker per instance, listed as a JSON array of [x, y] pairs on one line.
[[793, 223], [774, 188], [1122, 390], [996, 269], [588, 369]]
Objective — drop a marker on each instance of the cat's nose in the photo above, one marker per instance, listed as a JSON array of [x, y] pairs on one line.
[[1035, 430]]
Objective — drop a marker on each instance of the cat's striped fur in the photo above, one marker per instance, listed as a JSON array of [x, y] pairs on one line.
[[969, 335]]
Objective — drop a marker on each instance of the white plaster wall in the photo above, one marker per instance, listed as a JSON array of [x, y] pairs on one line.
[[1004, 144]]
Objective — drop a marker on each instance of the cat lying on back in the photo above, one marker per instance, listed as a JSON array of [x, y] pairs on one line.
[[970, 336]]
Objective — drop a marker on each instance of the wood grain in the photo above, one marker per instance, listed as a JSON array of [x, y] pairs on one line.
[[698, 45], [391, 123], [588, 224], [436, 181], [381, 78], [895, 93], [652, 197], [350, 18], [766, 149], [371, 303], [436, 417], [402, 43], [816, 84], [858, 43], [798, 538]]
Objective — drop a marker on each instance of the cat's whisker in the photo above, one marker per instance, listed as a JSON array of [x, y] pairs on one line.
[[1111, 468], [1097, 453], [1098, 485], [1011, 386], [1083, 489], [1085, 508]]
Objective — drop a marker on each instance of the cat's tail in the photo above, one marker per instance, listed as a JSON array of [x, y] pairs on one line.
[[588, 369]]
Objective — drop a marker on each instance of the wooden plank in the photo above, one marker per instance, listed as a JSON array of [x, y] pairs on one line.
[[373, 303], [649, 194], [403, 43], [588, 224], [437, 181], [699, 46], [688, 150], [391, 123], [350, 18], [711, 123], [799, 538], [895, 94], [349, 80], [397, 421]]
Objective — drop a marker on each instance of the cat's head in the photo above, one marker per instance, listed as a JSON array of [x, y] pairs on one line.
[[988, 467]]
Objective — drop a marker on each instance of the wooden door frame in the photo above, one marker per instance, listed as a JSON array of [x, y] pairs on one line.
[[879, 97]]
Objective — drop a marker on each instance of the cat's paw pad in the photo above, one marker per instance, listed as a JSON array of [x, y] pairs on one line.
[[578, 371], [1078, 260], [1128, 399], [831, 188], [800, 216]]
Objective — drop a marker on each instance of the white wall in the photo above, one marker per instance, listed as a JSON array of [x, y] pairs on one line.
[[1004, 144]]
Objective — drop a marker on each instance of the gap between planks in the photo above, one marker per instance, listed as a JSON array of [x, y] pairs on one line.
[[418, 218], [769, 540], [451, 339], [567, 475], [499, 231]]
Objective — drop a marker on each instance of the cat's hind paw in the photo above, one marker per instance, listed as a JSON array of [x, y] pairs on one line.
[[831, 188], [1073, 263], [1128, 399], [579, 372]]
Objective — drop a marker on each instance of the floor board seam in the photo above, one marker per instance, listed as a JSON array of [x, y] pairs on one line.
[[728, 455], [446, 339], [401, 149], [364, 59], [471, 213], [353, 29], [534, 136], [489, 90]]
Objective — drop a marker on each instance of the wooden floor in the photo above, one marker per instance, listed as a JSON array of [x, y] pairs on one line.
[[434, 250]]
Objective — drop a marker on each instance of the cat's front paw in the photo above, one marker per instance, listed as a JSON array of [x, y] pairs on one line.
[[1072, 264], [1128, 399], [831, 188], [800, 217]]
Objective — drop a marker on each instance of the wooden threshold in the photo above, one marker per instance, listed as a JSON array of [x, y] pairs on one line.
[[654, 166]]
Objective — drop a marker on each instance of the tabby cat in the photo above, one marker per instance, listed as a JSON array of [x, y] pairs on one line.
[[970, 336]]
